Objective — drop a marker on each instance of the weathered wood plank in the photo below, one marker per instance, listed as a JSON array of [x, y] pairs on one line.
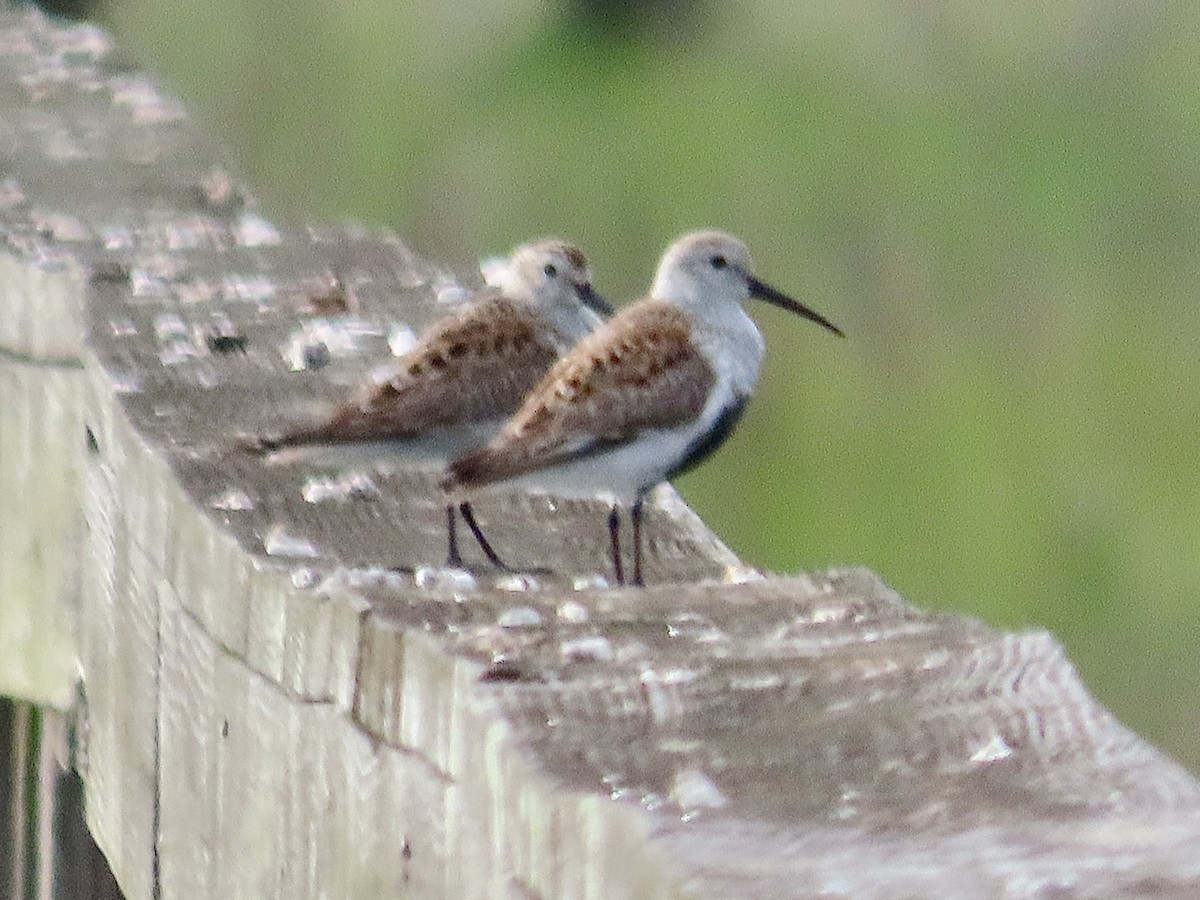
[[282, 697]]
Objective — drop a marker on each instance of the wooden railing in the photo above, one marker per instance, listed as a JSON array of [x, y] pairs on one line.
[[269, 688]]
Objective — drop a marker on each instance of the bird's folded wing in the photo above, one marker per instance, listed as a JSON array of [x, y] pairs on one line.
[[473, 366], [642, 371]]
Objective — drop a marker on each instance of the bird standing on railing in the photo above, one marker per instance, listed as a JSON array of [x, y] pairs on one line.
[[642, 399], [466, 373]]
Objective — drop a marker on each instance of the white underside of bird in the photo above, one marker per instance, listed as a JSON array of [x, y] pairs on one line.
[[621, 471]]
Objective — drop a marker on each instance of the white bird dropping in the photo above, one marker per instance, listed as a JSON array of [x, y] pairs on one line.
[[646, 397]]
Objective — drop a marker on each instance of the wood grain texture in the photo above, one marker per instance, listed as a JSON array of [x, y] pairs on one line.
[[278, 696]]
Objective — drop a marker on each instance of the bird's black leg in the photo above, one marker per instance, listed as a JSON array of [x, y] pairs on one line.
[[614, 539], [636, 515], [453, 559], [468, 515]]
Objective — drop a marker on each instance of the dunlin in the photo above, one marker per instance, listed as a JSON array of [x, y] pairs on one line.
[[466, 373], [646, 397]]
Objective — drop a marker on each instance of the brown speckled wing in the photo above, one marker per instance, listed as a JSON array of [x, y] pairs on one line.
[[642, 371], [471, 366]]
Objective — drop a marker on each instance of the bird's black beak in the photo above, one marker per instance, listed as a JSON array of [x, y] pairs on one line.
[[594, 301], [783, 301]]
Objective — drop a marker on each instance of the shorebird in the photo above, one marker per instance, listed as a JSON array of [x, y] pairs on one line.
[[466, 373], [649, 395]]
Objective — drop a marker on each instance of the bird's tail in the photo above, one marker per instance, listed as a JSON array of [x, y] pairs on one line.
[[468, 470]]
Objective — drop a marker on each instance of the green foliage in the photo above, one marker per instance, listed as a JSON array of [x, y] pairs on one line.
[[1001, 212]]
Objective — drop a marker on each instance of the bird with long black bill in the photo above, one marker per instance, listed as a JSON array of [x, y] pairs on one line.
[[647, 396]]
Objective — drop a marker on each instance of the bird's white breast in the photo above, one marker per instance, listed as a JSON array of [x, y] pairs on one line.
[[733, 347]]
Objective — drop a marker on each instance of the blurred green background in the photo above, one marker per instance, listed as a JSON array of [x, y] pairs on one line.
[[1000, 204]]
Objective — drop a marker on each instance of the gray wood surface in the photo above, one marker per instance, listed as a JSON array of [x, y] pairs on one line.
[[279, 693]]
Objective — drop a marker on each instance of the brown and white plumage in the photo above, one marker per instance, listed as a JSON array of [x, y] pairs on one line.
[[641, 372], [470, 367], [651, 393], [468, 370]]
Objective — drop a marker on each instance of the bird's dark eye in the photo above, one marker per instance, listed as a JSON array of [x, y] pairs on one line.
[[718, 262], [551, 270]]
